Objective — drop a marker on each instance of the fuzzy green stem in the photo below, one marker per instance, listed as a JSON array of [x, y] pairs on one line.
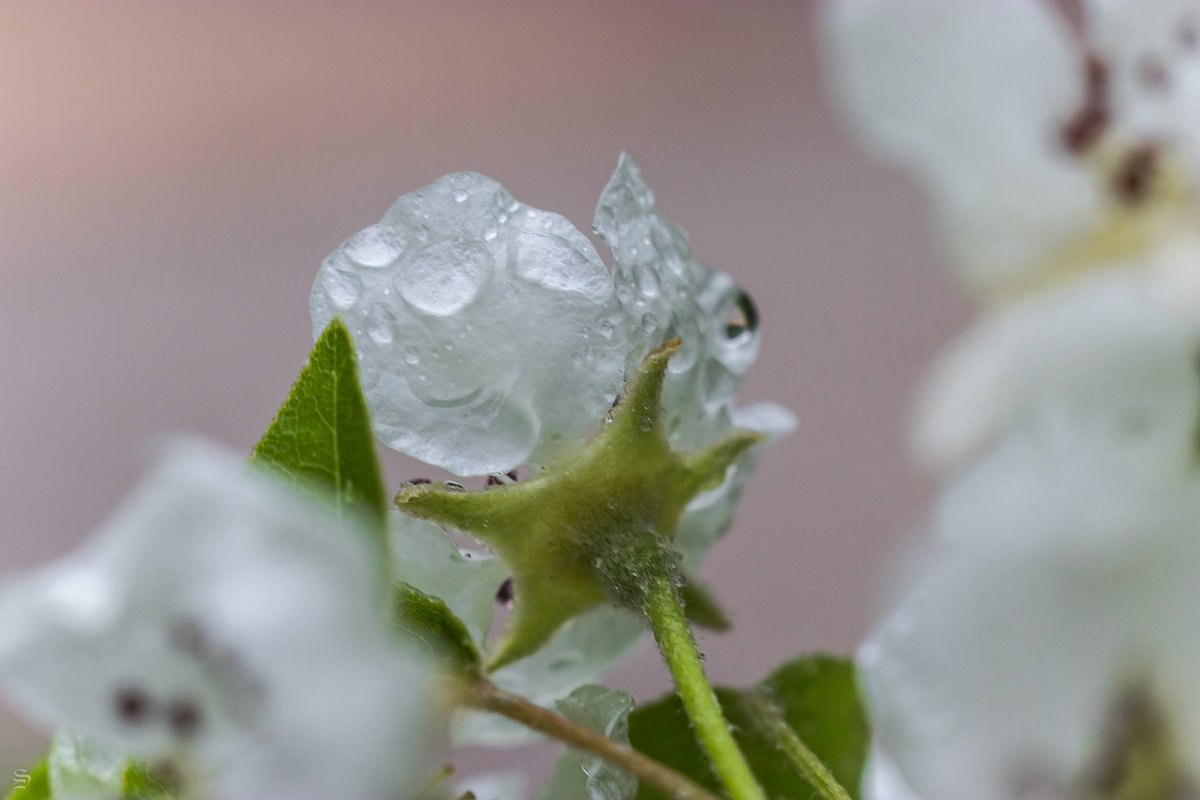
[[483, 695], [770, 722], [669, 624]]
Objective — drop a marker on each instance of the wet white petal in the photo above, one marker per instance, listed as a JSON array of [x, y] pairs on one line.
[[488, 331], [667, 293], [581, 652], [582, 776], [972, 96], [427, 559], [223, 623], [710, 514]]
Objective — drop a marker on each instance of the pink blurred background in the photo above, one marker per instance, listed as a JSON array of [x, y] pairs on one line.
[[172, 175]]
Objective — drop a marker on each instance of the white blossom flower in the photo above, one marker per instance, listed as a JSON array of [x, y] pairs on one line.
[[488, 331], [1049, 650], [224, 627], [1060, 604], [663, 292], [1047, 151]]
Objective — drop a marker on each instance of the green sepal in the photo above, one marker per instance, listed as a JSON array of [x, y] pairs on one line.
[[321, 439], [567, 531], [818, 697], [427, 619], [31, 784]]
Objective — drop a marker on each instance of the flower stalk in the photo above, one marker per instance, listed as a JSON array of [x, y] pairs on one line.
[[665, 612]]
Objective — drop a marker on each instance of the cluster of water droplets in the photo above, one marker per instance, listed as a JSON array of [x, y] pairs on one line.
[[489, 334], [667, 293]]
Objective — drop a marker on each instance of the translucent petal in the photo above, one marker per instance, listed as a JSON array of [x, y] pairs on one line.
[[1115, 350], [709, 516], [667, 293], [972, 96], [488, 331], [426, 558], [221, 620], [582, 776], [583, 651]]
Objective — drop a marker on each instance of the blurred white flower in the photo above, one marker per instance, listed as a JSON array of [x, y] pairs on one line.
[[1048, 151], [1049, 650], [228, 631]]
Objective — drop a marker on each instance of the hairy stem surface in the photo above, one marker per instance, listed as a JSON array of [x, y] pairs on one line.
[[678, 647]]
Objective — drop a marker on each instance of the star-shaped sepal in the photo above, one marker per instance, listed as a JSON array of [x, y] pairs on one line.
[[591, 528]]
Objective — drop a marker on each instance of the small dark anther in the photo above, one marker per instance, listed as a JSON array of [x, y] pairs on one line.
[[1188, 38], [494, 480], [183, 718], [1086, 126], [419, 481], [131, 705], [505, 594], [1152, 73], [188, 635], [1135, 177]]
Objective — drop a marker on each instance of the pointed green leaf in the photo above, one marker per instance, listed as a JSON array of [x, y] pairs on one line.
[[428, 620], [30, 784], [818, 697], [321, 438], [701, 607]]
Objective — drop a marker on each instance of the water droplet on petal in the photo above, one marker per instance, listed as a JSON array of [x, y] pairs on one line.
[[460, 196], [489, 234], [649, 323], [741, 319], [646, 278], [445, 277], [344, 288], [380, 324], [412, 357], [374, 247]]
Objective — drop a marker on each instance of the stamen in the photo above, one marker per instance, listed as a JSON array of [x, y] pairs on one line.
[[505, 594], [183, 718], [1088, 123], [131, 705], [1152, 73], [1135, 177]]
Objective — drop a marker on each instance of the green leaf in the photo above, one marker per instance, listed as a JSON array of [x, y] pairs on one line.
[[321, 438], [428, 620], [818, 697], [31, 784], [701, 607]]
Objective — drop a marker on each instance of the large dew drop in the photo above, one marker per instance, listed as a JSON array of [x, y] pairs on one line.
[[445, 277], [376, 246]]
